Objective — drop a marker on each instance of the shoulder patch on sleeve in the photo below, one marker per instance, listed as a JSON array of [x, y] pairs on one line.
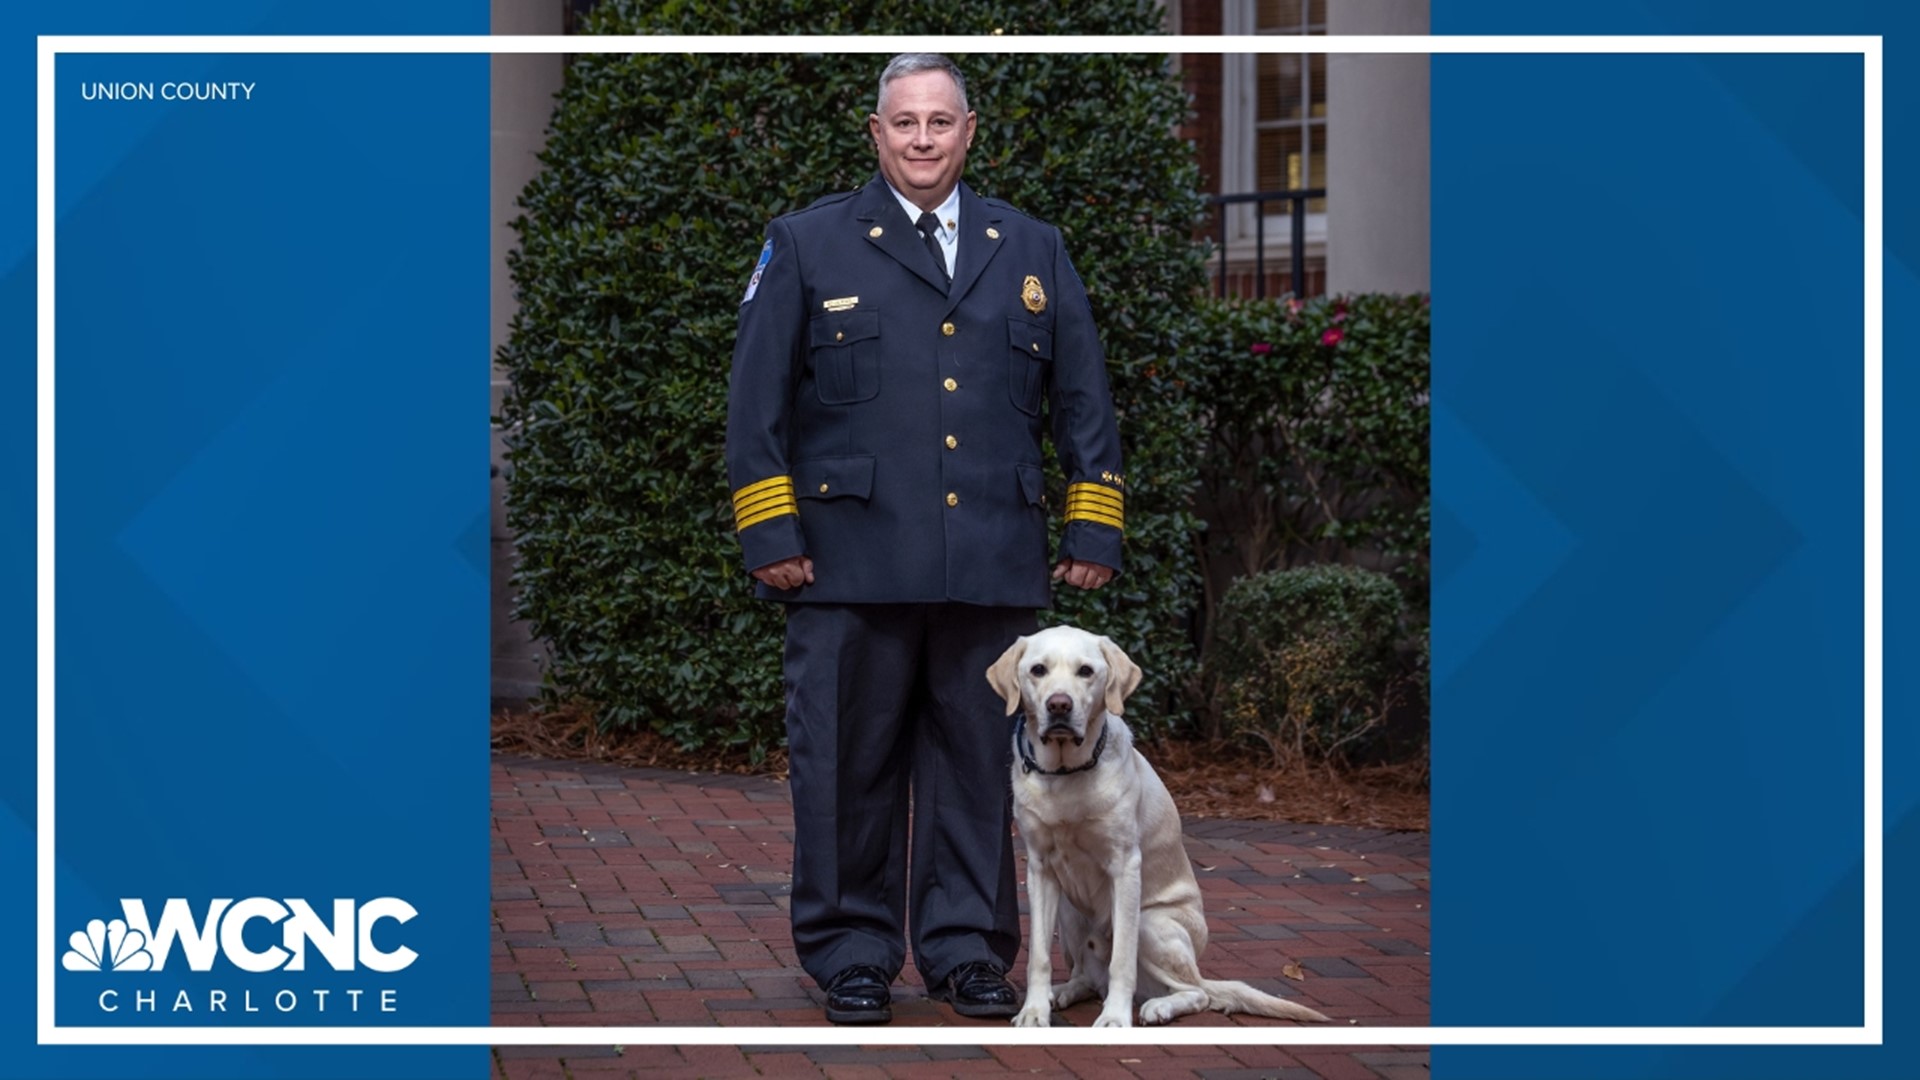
[[753, 283]]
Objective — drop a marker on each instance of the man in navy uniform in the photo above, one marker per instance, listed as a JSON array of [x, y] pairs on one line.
[[898, 349]]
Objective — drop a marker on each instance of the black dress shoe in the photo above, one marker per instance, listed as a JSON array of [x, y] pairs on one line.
[[976, 989], [859, 995]]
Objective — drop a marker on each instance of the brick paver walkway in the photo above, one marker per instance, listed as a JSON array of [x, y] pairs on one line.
[[642, 896]]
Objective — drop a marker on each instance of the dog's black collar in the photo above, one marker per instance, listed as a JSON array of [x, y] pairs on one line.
[[1026, 751]]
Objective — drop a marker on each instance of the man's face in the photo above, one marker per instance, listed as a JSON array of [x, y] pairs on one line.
[[922, 137]]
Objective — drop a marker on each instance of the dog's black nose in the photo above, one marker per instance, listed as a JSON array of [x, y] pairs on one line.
[[1059, 705]]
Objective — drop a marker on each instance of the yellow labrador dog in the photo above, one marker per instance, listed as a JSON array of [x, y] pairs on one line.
[[1104, 854]]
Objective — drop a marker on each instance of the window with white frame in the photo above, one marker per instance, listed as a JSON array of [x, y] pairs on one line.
[[1274, 117]]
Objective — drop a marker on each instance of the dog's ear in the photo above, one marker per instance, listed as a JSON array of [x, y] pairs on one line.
[[1123, 675], [1004, 675]]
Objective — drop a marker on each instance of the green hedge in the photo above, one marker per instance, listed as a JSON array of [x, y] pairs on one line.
[[635, 243], [1305, 662]]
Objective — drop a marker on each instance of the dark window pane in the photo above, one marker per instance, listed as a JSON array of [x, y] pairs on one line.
[[1317, 83], [1317, 165], [1279, 89], [1280, 161], [1279, 15]]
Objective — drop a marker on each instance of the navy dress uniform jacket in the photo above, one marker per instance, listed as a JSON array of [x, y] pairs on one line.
[[889, 427]]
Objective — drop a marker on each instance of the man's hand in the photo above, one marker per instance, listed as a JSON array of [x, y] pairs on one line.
[[1087, 575], [787, 573]]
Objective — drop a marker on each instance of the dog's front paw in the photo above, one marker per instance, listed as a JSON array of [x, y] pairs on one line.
[[1157, 1011], [1072, 992], [1034, 1016], [1110, 1017]]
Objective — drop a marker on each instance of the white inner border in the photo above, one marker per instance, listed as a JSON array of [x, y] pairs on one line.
[[1869, 1034]]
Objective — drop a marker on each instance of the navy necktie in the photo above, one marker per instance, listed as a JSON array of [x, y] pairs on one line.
[[927, 224]]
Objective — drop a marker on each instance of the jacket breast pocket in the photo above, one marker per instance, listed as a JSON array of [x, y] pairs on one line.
[[1029, 351], [845, 356]]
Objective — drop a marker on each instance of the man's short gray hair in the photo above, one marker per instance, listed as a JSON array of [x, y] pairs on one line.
[[914, 63]]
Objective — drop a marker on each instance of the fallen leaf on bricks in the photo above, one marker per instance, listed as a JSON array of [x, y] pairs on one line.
[[1293, 971]]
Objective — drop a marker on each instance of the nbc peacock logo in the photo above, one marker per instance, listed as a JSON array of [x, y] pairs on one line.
[[107, 946]]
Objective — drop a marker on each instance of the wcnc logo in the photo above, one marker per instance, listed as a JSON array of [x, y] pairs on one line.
[[133, 943]]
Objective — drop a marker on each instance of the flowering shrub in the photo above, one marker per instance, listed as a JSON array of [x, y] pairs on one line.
[[1317, 428], [1317, 453]]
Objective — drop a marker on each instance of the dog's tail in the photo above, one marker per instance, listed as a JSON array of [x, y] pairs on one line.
[[1230, 996]]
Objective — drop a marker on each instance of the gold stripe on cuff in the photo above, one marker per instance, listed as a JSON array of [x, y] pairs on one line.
[[761, 486], [761, 502], [1095, 516], [780, 509], [747, 505]]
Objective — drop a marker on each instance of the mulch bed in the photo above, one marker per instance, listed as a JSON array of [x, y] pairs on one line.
[[1207, 779]]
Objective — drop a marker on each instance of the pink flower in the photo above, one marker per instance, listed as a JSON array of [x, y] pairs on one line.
[[1294, 305], [1260, 348], [1332, 336]]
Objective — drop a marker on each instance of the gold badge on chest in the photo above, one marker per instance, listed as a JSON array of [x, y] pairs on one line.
[[1033, 295]]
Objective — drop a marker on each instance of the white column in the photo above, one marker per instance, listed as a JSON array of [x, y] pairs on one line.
[[522, 102], [1379, 213]]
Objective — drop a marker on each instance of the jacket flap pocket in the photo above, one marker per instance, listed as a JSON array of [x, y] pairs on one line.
[[830, 478], [1033, 483], [1030, 339], [845, 327]]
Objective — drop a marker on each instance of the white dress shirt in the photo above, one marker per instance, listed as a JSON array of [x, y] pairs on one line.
[[949, 214]]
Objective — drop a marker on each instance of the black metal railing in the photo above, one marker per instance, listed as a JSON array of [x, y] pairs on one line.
[[1297, 252]]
